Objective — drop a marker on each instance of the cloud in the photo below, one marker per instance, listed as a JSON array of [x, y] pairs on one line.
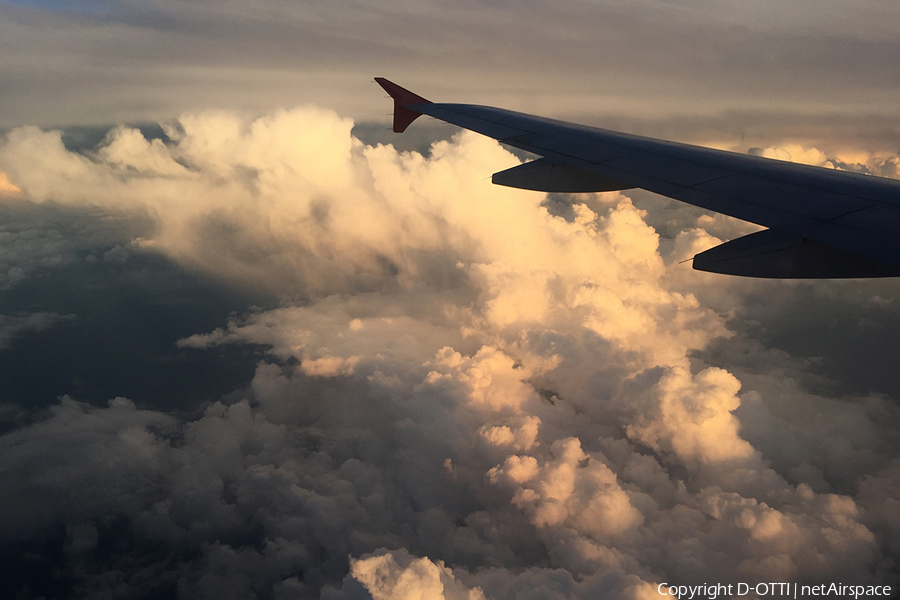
[[880, 164], [465, 394], [386, 577], [41, 239], [12, 326], [7, 188], [78, 464]]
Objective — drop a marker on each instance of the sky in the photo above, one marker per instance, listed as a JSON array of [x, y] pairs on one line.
[[255, 345]]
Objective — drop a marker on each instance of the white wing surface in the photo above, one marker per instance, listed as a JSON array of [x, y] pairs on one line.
[[822, 223]]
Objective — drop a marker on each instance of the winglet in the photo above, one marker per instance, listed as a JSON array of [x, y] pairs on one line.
[[402, 97]]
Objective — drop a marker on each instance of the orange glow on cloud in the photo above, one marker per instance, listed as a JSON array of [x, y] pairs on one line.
[[7, 187]]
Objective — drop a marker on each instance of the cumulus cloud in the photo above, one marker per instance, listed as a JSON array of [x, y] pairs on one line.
[[466, 395], [870, 163], [386, 577]]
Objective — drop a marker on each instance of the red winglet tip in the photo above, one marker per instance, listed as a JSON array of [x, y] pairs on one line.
[[402, 97]]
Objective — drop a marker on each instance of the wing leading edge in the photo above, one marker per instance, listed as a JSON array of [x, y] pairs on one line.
[[821, 223]]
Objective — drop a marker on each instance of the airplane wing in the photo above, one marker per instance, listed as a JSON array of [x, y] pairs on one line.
[[822, 223]]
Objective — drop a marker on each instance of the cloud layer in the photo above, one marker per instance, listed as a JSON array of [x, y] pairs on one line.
[[470, 391], [803, 65]]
